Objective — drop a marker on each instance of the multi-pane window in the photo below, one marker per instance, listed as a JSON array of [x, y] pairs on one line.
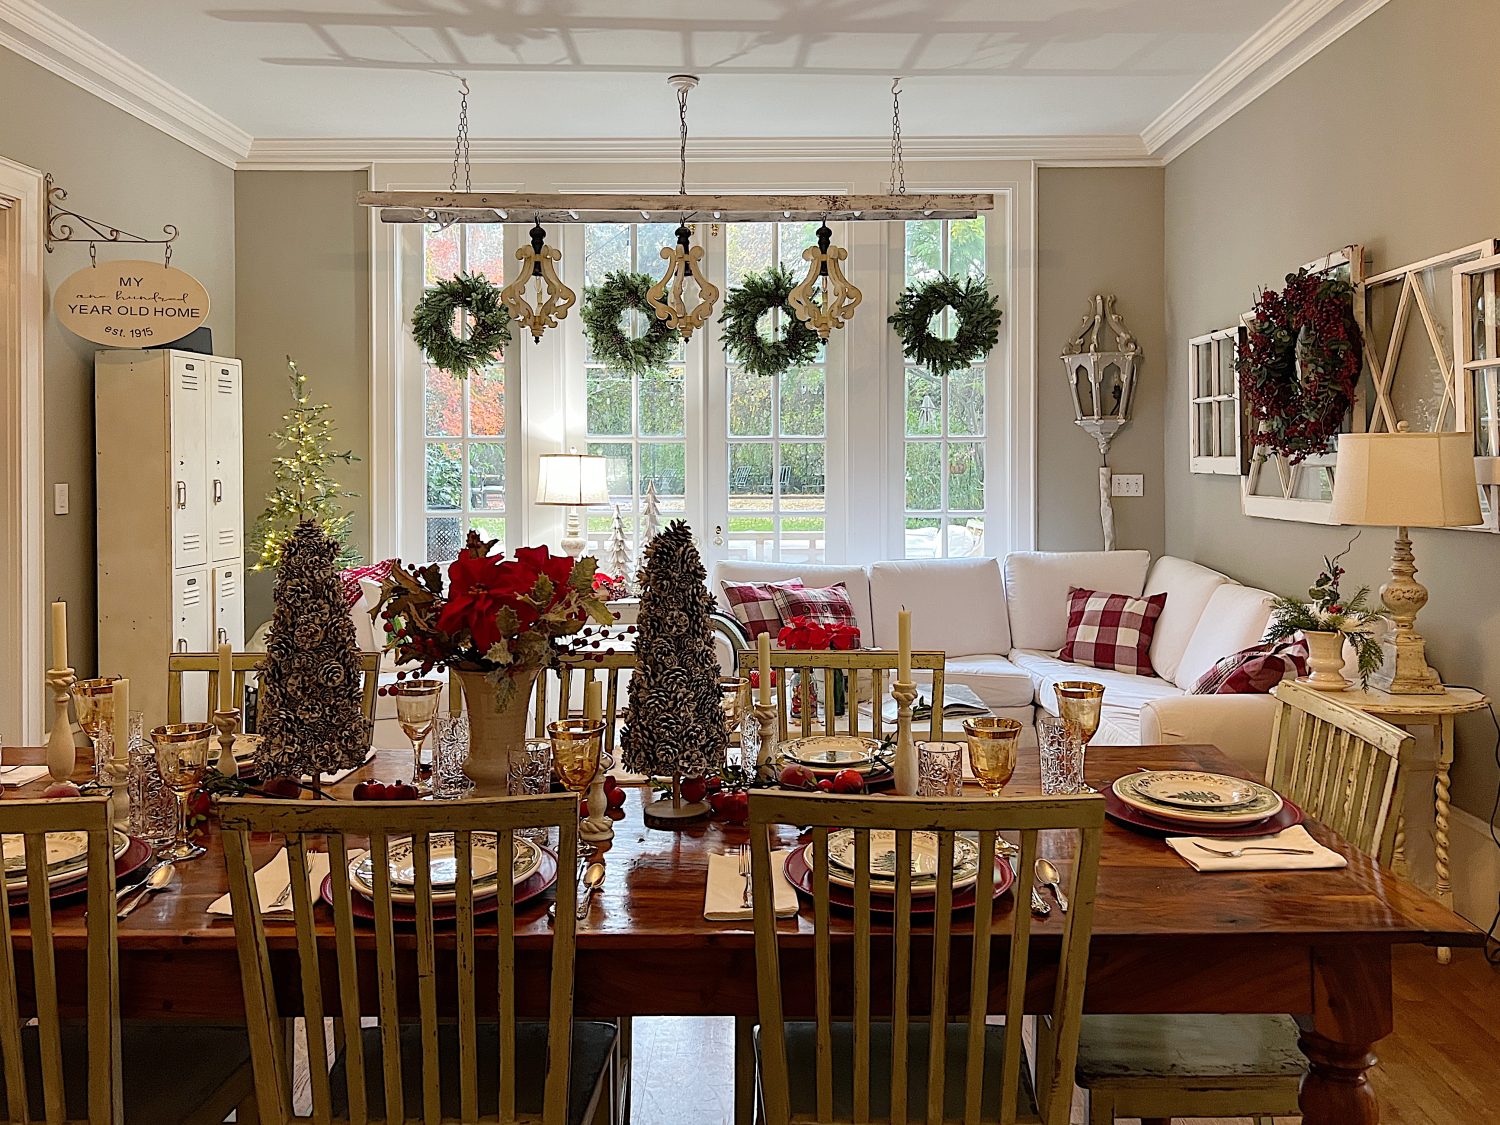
[[944, 440], [777, 424], [637, 421], [463, 419]]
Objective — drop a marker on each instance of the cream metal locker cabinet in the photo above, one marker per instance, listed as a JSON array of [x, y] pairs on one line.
[[171, 523]]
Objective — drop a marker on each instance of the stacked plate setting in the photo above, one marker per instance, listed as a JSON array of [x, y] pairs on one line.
[[485, 859], [67, 858], [924, 861], [828, 754], [1200, 800]]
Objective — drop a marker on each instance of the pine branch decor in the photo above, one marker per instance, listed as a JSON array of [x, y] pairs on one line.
[[603, 306], [752, 298], [1326, 610], [675, 725], [312, 715], [977, 313], [488, 328], [303, 488]]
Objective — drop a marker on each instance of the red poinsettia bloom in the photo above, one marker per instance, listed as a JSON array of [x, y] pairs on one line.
[[808, 633]]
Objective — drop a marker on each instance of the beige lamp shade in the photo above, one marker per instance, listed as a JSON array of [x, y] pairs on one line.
[[571, 478], [1406, 479]]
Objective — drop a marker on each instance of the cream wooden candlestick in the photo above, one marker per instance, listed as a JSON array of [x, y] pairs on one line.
[[597, 828], [62, 755], [765, 761], [227, 722], [905, 694]]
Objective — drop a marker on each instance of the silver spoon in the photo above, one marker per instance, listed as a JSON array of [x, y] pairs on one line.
[[591, 879], [1051, 878], [1039, 905], [159, 879], [125, 892]]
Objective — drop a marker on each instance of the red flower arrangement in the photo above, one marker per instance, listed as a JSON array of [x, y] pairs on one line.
[[1301, 364], [803, 632], [496, 615]]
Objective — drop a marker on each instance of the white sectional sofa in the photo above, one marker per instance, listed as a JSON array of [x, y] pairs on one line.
[[1002, 624]]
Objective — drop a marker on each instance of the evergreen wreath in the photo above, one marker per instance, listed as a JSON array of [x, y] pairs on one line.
[[489, 327], [746, 303], [974, 309], [1301, 364], [605, 304]]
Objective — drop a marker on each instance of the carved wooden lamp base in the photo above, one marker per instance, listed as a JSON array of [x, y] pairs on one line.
[[1405, 671]]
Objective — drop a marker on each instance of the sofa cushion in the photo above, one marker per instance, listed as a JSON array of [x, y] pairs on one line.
[[1036, 589], [1111, 631], [1124, 694], [854, 579], [1254, 670], [1235, 618], [828, 605], [754, 604], [998, 683], [957, 605], [1188, 586]]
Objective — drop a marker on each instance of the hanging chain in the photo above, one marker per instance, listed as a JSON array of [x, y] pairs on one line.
[[682, 93], [898, 158], [461, 141]]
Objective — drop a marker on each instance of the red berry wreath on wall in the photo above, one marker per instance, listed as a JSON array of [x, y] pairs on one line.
[[1301, 365]]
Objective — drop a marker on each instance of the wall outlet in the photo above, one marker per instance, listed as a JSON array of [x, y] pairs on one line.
[[1127, 484], [59, 499]]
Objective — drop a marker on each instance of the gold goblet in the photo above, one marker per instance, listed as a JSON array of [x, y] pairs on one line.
[[576, 747], [1079, 702], [182, 759], [734, 701], [95, 701], [416, 708], [993, 741]]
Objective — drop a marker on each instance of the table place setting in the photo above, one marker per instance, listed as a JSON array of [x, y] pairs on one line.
[[728, 896], [1166, 803], [273, 885], [1291, 849], [798, 867]]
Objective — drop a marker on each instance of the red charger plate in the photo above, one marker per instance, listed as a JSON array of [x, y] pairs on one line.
[[800, 876], [129, 862], [539, 882], [1133, 818]]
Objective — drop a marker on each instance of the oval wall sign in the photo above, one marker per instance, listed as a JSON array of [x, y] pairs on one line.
[[131, 304]]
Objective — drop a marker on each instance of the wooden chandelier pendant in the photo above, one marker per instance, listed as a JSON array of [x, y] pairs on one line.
[[668, 299], [552, 298], [840, 297]]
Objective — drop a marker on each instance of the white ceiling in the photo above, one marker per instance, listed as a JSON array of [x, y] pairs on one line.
[[596, 68]]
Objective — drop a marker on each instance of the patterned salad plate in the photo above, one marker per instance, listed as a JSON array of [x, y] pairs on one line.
[[444, 867], [1265, 803], [1190, 789], [67, 858], [832, 752], [924, 860]]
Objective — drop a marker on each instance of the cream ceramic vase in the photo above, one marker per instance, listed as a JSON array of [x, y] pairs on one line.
[[497, 735], [1325, 661]]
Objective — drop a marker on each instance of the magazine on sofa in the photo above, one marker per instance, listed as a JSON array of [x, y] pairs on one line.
[[958, 700]]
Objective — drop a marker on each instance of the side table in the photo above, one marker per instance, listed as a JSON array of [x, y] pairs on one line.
[[1438, 713]]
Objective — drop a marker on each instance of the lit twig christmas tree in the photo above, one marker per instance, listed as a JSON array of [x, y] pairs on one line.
[[304, 488]]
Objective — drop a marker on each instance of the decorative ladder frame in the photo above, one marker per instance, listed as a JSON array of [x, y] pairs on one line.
[[1470, 367]]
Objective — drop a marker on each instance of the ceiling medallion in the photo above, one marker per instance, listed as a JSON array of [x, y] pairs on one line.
[[668, 298], [550, 298], [840, 298]]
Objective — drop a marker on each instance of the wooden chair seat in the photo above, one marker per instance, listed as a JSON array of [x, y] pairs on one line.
[[172, 1072], [802, 1068], [1253, 1048], [593, 1047]]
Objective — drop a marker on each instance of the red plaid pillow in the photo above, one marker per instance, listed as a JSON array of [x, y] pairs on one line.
[[829, 605], [1111, 631], [349, 579], [754, 604], [1254, 670]]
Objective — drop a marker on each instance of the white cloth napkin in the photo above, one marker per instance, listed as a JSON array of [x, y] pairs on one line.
[[726, 889], [335, 778], [13, 776], [1293, 837], [274, 878]]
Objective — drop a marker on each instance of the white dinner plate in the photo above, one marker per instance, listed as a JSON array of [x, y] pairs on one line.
[[528, 858], [66, 872], [924, 859], [1192, 789], [484, 856], [1263, 805], [831, 752]]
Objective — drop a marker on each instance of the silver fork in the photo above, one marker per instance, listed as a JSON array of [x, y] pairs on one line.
[[745, 874], [1235, 853], [281, 900]]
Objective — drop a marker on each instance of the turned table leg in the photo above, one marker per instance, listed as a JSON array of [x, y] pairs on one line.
[[1351, 1013], [744, 1071], [1442, 807]]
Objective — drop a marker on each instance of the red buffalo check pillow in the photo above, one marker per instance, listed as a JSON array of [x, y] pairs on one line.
[[1111, 631], [754, 604], [829, 605], [1254, 670], [349, 579]]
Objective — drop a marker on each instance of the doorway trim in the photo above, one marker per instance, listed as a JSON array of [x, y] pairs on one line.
[[22, 549]]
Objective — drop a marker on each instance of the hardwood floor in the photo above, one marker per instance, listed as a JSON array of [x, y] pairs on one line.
[[1440, 1067]]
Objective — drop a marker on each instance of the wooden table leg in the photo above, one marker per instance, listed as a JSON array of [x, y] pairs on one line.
[[1351, 1013], [744, 1070], [1442, 794]]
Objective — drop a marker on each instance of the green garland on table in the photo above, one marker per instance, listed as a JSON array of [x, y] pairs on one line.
[[975, 310], [489, 324], [746, 303], [605, 304]]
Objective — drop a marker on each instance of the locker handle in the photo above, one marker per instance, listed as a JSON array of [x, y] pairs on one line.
[[218, 491], [182, 494], [181, 644], [223, 636]]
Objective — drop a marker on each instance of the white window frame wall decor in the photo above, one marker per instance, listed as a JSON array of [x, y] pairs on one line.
[[1220, 350], [1283, 493], [1476, 368]]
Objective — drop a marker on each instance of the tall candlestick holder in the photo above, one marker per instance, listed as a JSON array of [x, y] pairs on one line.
[[905, 694], [765, 753], [115, 775], [228, 725], [597, 828], [62, 755]]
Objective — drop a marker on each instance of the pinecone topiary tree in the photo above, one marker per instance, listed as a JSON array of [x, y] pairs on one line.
[[675, 726], [312, 717]]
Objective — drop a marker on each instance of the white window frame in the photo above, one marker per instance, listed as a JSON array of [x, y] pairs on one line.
[[1216, 458]]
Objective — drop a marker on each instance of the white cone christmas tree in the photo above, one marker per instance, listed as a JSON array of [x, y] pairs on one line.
[[650, 517], [617, 555]]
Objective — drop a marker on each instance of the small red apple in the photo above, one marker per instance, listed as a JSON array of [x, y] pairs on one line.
[[716, 801], [693, 789], [364, 790], [60, 789], [826, 784], [714, 784], [848, 781], [798, 777], [282, 787], [615, 798], [736, 807], [402, 791]]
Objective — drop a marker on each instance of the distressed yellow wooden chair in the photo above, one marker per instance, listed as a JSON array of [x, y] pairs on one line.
[[1344, 768], [869, 674], [466, 1056], [56, 1069], [241, 665], [931, 1057]]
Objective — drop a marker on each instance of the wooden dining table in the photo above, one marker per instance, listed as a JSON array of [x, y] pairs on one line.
[[1316, 944]]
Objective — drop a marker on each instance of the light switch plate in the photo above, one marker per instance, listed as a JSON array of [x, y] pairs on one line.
[[59, 499], [1127, 484]]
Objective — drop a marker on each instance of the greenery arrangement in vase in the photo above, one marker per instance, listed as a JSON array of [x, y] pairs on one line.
[[1328, 620], [497, 623]]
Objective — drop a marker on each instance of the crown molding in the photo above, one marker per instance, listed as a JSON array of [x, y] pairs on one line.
[[350, 153], [1297, 33], [37, 34]]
